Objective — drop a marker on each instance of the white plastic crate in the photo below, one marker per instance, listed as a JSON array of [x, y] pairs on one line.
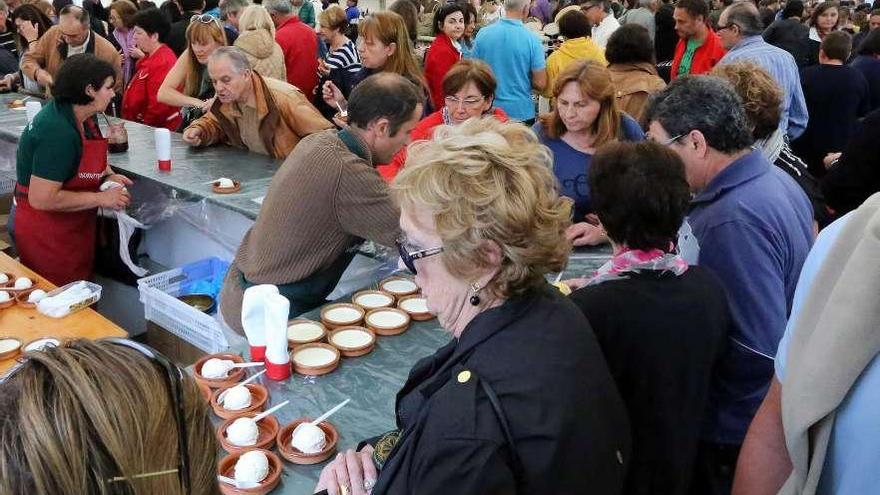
[[159, 294]]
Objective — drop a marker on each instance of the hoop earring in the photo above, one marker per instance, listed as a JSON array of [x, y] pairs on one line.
[[475, 298]]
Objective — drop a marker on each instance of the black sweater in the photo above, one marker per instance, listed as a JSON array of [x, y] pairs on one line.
[[662, 335]]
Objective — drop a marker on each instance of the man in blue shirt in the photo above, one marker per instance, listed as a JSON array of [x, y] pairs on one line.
[[517, 60], [754, 226], [740, 28]]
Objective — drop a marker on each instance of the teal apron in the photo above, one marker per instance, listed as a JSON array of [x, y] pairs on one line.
[[309, 293]]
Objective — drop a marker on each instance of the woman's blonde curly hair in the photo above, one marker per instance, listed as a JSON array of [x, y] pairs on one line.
[[485, 180]]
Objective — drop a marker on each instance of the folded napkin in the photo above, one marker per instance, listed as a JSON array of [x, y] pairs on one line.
[[253, 318], [277, 311]]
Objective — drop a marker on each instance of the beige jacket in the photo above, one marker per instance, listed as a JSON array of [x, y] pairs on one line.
[[50, 51], [634, 84], [285, 118], [263, 52]]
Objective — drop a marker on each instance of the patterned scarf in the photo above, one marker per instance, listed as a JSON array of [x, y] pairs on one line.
[[636, 260]]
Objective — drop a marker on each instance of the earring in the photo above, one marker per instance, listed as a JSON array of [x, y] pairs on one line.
[[475, 298]]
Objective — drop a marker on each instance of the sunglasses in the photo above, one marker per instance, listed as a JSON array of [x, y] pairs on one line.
[[174, 381], [409, 255], [205, 19]]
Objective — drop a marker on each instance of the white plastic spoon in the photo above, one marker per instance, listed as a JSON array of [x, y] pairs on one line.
[[243, 382], [236, 483], [330, 412], [342, 113], [247, 365], [270, 411]]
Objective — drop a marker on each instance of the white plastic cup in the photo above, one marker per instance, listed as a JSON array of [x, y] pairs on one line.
[[32, 108]]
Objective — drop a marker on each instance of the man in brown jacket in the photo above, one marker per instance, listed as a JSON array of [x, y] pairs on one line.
[[260, 114], [325, 200], [72, 35]]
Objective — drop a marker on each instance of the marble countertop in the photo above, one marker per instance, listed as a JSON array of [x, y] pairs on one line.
[[192, 169]]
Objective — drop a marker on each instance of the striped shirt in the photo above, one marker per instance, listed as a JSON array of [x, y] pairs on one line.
[[7, 39], [345, 57]]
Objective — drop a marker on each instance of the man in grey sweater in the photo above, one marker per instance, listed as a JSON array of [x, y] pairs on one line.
[[325, 199]]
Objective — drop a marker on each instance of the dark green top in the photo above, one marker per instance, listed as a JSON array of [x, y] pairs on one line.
[[50, 146]]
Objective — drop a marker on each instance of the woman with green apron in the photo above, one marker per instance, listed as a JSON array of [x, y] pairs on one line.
[[61, 164]]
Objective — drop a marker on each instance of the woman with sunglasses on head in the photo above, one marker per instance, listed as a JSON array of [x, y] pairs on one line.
[[203, 36], [111, 417], [469, 87], [520, 400], [586, 117]]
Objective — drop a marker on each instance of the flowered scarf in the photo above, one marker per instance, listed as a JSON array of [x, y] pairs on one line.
[[636, 260]]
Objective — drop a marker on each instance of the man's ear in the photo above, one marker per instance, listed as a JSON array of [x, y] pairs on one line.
[[380, 127]]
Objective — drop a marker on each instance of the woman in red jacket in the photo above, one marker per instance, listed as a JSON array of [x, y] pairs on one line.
[[139, 102], [468, 92], [445, 51]]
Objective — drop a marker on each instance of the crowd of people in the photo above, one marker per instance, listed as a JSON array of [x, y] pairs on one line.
[[724, 348]]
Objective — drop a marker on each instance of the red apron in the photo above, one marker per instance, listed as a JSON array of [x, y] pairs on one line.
[[60, 246]]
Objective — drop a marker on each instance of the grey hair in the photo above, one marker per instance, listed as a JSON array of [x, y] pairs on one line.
[[282, 7], [745, 15], [78, 13], [646, 3], [515, 5], [233, 6], [707, 104], [236, 56], [4, 7]]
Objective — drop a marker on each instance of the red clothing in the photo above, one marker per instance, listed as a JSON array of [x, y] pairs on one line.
[[422, 131], [300, 46], [705, 57], [441, 56], [139, 102]]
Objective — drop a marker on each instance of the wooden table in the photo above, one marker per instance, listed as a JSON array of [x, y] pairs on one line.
[[27, 324]]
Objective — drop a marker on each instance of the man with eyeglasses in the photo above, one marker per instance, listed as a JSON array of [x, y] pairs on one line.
[[602, 20], [754, 226], [740, 28], [72, 35], [325, 200]]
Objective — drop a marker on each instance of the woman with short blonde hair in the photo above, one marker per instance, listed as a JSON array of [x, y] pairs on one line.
[[585, 117], [257, 40], [523, 380], [104, 417]]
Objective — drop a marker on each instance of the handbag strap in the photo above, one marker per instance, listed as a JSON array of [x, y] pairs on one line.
[[505, 428]]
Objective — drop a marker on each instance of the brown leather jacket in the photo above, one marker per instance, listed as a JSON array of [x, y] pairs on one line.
[[285, 118], [634, 84], [50, 51]]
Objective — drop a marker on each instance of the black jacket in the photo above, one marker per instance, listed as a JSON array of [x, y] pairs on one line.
[[539, 356], [662, 336], [791, 36], [856, 176]]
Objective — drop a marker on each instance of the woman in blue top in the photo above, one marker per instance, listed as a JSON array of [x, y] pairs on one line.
[[585, 117]]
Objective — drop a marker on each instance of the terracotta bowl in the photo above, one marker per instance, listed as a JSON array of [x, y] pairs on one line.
[[10, 280], [206, 391], [398, 286], [235, 375], [348, 350], [311, 369], [400, 316], [226, 467], [372, 299], [259, 397], [14, 349], [292, 454], [416, 315], [10, 287], [354, 315], [226, 190], [10, 302], [295, 338], [21, 298], [268, 427]]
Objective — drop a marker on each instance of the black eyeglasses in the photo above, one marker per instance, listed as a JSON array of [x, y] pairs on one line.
[[409, 256], [728, 26], [174, 380]]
